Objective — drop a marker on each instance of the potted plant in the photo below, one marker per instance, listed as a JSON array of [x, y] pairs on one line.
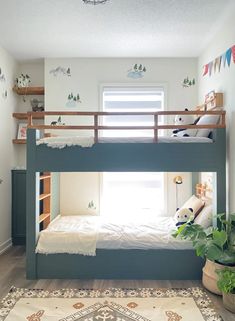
[[226, 283], [23, 81], [215, 244]]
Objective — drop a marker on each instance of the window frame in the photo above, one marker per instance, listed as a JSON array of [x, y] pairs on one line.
[[165, 104]]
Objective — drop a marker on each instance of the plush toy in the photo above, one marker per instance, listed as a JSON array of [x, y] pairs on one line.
[[184, 215], [184, 120]]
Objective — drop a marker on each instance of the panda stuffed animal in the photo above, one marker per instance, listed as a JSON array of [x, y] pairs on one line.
[[184, 120], [184, 215]]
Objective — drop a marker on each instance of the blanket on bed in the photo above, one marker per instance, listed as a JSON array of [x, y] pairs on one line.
[[82, 238]]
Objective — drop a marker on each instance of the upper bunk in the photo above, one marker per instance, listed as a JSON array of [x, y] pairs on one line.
[[154, 153]]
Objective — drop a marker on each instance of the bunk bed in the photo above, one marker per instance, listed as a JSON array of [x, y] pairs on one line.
[[121, 155]]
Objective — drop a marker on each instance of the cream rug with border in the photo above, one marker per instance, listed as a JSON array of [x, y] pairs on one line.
[[144, 304]]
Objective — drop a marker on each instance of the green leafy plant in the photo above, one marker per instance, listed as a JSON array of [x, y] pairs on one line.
[[214, 243], [226, 281], [23, 81]]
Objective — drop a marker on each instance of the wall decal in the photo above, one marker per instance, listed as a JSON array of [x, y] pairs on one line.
[[4, 94], [224, 59], [2, 76], [3, 80], [73, 100], [136, 72], [58, 122], [188, 83], [60, 71]]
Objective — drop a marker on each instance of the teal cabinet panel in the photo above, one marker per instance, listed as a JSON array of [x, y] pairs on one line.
[[18, 207]]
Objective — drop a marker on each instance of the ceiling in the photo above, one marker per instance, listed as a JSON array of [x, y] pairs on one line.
[[31, 29]]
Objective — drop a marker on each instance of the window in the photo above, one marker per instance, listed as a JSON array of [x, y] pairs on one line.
[[132, 194], [128, 194], [131, 99]]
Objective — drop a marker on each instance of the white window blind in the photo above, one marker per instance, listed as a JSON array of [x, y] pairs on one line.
[[132, 194], [131, 99]]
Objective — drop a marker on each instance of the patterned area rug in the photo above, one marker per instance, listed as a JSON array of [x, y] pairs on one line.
[[146, 304]]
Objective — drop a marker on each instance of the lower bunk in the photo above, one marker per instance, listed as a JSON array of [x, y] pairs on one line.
[[93, 247], [122, 264]]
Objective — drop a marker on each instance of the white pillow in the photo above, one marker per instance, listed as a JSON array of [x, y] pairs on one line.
[[207, 120], [204, 218], [195, 203]]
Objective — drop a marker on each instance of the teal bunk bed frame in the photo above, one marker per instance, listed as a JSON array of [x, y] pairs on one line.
[[120, 264]]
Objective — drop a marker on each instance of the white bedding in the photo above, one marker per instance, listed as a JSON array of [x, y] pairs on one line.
[[83, 234], [61, 142]]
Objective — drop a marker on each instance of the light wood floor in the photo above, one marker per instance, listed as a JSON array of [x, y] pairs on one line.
[[12, 273]]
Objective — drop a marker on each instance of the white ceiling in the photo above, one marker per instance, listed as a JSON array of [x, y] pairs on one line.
[[32, 29]]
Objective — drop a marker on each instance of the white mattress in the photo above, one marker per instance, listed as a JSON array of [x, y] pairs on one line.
[[104, 233], [61, 142]]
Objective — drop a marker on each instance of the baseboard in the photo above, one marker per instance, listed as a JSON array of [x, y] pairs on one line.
[[5, 245]]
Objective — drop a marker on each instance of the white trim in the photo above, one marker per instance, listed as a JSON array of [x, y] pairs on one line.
[[5, 246]]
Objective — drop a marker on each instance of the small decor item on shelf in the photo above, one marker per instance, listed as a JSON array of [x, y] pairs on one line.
[[73, 100], [37, 105], [188, 83], [22, 131], [23, 81], [137, 71]]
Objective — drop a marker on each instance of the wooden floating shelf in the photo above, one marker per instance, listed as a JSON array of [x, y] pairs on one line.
[[29, 90], [35, 115], [43, 196], [19, 141], [43, 216]]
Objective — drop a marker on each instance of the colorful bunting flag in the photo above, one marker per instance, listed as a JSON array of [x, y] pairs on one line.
[[210, 67], [206, 68], [228, 56], [220, 60], [224, 59], [217, 64], [233, 53]]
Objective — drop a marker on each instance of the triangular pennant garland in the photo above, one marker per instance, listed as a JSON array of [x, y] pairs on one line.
[[228, 56], [210, 67], [206, 68], [224, 59], [220, 60], [216, 64], [233, 53]]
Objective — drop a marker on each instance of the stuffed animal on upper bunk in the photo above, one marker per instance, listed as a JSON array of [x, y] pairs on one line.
[[184, 120], [184, 215]]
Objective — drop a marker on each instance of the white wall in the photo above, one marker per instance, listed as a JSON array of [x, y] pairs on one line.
[[8, 154], [35, 69], [86, 77], [223, 82]]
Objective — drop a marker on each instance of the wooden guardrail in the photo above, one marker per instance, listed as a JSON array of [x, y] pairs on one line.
[[96, 127]]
